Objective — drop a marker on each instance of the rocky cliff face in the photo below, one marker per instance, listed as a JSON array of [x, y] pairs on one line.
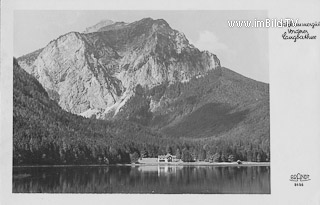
[[100, 71]]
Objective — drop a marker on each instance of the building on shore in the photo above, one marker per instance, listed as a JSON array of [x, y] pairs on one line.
[[167, 158]]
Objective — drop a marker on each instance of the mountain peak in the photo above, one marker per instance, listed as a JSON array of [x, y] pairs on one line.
[[145, 23], [99, 25], [99, 70], [151, 21]]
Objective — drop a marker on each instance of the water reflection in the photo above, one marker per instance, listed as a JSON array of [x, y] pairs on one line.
[[143, 179]]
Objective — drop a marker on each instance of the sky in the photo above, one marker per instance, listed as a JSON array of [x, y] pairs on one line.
[[243, 50]]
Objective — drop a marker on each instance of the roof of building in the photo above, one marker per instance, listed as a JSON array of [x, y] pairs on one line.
[[165, 156]]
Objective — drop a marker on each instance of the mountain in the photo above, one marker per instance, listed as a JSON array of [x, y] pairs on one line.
[[221, 104], [43, 133], [98, 72], [147, 73]]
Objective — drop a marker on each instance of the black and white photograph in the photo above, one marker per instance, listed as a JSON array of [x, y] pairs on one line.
[[135, 106], [141, 103]]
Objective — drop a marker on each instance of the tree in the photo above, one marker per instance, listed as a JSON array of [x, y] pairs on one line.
[[186, 156], [249, 156], [144, 153], [258, 157], [268, 157], [203, 155], [223, 158], [216, 157], [169, 149], [254, 155], [105, 160], [178, 154], [134, 157], [231, 158]]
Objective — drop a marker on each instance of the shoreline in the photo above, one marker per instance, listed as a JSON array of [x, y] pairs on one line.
[[206, 164], [217, 164]]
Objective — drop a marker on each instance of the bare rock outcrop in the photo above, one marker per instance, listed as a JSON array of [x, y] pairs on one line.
[[97, 72]]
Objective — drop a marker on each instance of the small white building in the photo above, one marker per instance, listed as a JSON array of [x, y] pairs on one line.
[[167, 158]]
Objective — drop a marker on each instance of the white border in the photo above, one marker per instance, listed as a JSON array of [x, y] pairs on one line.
[[294, 104]]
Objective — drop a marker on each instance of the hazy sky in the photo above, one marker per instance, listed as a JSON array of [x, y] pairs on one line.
[[244, 50]]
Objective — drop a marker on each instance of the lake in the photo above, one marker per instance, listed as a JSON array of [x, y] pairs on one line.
[[143, 179]]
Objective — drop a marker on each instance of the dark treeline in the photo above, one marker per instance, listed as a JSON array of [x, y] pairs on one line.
[[43, 133]]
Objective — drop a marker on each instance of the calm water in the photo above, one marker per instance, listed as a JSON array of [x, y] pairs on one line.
[[143, 179]]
